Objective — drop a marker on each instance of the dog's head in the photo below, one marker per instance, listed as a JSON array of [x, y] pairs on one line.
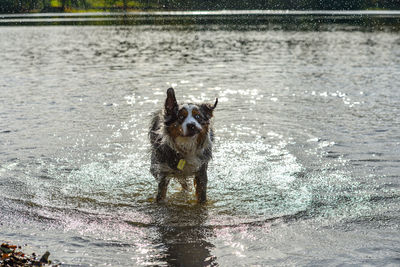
[[187, 120]]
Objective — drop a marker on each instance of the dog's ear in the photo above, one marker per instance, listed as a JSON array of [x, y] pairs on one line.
[[171, 106], [207, 109]]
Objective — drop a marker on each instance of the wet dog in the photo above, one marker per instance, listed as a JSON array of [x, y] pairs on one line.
[[181, 140]]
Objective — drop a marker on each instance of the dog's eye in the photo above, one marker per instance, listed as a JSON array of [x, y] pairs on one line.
[[181, 117], [197, 117]]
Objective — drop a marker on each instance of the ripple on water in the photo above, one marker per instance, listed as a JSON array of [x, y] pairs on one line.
[[256, 179], [249, 183]]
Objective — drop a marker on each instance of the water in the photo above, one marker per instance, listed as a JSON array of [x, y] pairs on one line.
[[306, 164]]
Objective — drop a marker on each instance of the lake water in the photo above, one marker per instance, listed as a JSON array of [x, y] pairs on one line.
[[306, 166]]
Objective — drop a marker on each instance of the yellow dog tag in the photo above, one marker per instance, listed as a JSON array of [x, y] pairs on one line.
[[181, 164]]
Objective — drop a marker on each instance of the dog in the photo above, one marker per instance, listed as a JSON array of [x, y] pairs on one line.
[[181, 138]]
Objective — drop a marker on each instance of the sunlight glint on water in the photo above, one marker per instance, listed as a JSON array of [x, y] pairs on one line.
[[305, 166]]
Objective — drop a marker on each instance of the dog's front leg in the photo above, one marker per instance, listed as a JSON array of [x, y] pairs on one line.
[[200, 181], [162, 188]]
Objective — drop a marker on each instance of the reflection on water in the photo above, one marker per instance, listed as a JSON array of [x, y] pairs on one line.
[[184, 236], [305, 166]]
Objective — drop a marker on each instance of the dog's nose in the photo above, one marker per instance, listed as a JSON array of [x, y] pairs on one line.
[[192, 129], [191, 126]]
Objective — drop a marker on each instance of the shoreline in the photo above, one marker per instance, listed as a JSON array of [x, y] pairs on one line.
[[294, 19], [213, 11], [12, 255]]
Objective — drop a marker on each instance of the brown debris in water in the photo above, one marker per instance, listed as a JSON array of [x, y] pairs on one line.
[[11, 255]]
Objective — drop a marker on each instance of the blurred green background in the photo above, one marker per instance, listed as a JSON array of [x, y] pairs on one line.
[[21, 6]]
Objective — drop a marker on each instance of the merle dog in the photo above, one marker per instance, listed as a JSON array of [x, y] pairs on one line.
[[181, 140]]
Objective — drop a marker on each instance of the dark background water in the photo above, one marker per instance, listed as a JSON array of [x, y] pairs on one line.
[[326, 20], [306, 165]]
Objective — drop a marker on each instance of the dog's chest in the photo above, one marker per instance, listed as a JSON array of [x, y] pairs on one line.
[[190, 161], [191, 165], [182, 166], [187, 146]]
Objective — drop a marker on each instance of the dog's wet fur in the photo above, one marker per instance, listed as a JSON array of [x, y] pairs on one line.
[[181, 132]]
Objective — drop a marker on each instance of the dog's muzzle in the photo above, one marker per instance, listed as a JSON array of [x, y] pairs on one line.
[[192, 129]]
